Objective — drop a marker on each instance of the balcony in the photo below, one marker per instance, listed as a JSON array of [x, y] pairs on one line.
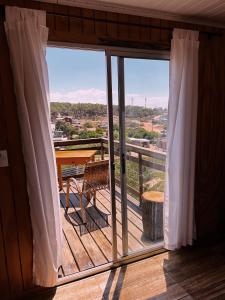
[[88, 246]]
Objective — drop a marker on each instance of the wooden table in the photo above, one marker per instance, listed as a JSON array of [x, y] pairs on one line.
[[72, 157]]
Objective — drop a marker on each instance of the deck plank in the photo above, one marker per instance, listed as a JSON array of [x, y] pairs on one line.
[[102, 241], [79, 252], [132, 218], [108, 230], [133, 204], [103, 205], [91, 248], [134, 235], [68, 261], [132, 215]]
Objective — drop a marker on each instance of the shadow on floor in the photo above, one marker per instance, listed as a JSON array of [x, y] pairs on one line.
[[38, 293], [96, 219], [115, 294]]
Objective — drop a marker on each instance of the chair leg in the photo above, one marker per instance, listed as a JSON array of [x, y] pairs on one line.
[[94, 198], [88, 196], [83, 211], [67, 193]]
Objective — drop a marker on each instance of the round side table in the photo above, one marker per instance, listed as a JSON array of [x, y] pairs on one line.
[[152, 215]]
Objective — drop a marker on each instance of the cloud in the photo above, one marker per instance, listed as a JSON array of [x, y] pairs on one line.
[[99, 96], [82, 96]]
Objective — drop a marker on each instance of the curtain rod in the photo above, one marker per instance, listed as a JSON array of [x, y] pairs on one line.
[[129, 24]]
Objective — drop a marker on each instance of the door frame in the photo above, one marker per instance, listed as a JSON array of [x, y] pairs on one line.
[[158, 247]]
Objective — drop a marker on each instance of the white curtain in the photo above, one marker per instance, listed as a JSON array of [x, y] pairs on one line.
[[27, 38], [182, 118]]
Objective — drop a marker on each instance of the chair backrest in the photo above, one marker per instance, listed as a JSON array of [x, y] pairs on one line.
[[96, 175], [74, 171]]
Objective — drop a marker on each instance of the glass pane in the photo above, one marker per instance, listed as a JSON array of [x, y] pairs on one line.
[[78, 114], [146, 103]]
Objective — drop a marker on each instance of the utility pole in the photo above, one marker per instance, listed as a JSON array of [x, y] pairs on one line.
[[145, 103], [132, 101]]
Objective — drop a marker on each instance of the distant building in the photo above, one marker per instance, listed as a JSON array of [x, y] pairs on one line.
[[68, 119], [58, 136], [76, 123], [103, 126], [140, 142], [53, 127], [161, 143]]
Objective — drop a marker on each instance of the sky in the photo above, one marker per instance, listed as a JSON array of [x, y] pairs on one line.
[[80, 76]]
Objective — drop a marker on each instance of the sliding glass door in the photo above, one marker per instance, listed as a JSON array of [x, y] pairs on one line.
[[137, 147], [122, 119]]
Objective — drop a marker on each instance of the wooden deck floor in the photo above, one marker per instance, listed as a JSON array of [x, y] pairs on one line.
[[89, 246]]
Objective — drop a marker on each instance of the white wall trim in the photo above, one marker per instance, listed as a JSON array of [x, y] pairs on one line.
[[137, 11]]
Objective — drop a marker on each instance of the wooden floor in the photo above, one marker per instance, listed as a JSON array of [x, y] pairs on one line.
[[191, 273], [89, 246]]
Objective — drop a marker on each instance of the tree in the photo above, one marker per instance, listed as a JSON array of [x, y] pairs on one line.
[[116, 134], [85, 134], [82, 110], [66, 128], [116, 127], [141, 133]]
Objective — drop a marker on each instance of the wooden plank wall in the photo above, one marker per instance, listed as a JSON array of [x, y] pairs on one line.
[[15, 226], [210, 163], [93, 27]]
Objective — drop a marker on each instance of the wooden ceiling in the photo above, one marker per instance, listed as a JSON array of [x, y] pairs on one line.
[[211, 12]]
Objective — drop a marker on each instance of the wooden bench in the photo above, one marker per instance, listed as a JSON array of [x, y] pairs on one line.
[[152, 215]]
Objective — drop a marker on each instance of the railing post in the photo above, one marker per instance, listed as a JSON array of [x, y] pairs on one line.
[[140, 173], [102, 150]]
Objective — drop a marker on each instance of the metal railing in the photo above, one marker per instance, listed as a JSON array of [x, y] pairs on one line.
[[138, 155]]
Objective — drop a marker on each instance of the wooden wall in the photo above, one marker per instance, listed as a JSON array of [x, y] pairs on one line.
[[210, 162], [15, 226], [85, 26]]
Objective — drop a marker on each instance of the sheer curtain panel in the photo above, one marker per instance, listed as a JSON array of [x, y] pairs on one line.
[[182, 117], [27, 38]]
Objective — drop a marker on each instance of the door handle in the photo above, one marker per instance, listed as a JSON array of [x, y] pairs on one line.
[[112, 166]]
